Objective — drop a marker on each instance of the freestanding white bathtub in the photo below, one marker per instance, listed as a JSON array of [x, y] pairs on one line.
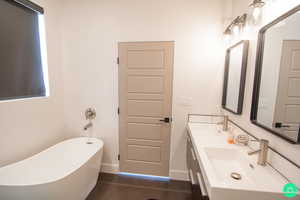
[[66, 171]]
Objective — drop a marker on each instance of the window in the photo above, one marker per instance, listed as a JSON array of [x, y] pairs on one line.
[[23, 62]]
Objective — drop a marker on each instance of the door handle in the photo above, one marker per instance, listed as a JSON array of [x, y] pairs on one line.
[[280, 125], [166, 120]]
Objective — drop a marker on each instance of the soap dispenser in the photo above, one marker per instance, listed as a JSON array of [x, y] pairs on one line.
[[230, 137]]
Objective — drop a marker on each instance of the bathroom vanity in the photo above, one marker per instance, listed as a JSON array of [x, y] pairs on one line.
[[199, 189], [222, 171]]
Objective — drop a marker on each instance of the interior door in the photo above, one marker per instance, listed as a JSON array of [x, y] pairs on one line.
[[287, 109], [145, 100]]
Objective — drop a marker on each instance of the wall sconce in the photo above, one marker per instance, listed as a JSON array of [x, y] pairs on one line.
[[239, 23], [236, 25], [227, 34], [257, 5]]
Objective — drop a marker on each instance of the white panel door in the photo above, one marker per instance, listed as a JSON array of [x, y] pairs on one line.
[[145, 97], [287, 109]]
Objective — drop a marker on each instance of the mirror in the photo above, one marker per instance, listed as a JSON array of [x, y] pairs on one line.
[[235, 76], [276, 93]]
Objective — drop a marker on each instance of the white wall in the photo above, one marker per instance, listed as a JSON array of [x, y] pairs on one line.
[[272, 10], [91, 32], [29, 126]]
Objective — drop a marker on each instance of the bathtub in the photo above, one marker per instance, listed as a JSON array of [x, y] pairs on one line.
[[66, 171]]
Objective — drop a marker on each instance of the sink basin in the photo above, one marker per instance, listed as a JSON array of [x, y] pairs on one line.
[[227, 161], [250, 180]]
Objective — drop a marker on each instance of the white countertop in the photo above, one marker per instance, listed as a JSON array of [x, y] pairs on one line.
[[205, 136]]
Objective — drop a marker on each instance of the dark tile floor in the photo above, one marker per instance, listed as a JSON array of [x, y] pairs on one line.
[[120, 187]]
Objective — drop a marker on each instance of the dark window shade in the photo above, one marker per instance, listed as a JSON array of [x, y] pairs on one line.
[[21, 71]]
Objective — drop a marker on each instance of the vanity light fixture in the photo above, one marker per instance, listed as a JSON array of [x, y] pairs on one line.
[[257, 5], [239, 23], [236, 25], [227, 31], [227, 34], [242, 20]]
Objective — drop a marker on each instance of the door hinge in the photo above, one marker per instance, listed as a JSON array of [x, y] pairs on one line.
[[118, 111], [119, 157], [118, 60]]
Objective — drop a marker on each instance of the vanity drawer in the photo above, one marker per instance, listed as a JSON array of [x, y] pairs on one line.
[[198, 186], [188, 154], [191, 158], [201, 183]]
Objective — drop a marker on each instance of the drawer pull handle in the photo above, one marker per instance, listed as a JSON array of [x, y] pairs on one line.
[[202, 184], [192, 177], [188, 139], [193, 154]]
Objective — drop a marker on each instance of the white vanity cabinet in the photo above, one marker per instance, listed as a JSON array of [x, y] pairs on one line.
[[211, 161], [198, 186]]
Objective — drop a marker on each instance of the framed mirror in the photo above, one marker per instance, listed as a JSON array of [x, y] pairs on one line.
[[276, 93], [235, 77]]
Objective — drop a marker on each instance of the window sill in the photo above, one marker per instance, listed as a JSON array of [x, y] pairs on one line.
[[24, 99]]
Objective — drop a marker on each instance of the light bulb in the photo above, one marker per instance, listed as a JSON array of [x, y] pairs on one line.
[[227, 38], [245, 33], [236, 29], [256, 13]]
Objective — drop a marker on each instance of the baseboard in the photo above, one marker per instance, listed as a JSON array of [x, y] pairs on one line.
[[174, 174], [179, 175], [110, 168]]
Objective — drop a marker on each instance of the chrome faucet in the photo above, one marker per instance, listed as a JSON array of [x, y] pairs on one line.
[[224, 123], [89, 125], [263, 152]]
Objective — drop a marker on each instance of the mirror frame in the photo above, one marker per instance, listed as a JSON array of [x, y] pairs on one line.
[[258, 72], [242, 78]]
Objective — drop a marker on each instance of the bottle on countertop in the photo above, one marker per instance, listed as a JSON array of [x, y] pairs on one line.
[[230, 137]]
